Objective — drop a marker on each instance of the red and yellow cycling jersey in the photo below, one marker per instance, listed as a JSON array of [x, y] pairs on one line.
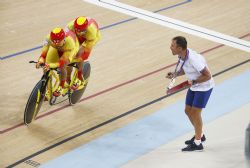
[[58, 56], [88, 38]]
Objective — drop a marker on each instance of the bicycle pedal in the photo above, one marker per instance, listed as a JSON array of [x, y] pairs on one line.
[[52, 100]]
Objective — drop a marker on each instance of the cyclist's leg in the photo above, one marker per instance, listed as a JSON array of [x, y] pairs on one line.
[[63, 83], [78, 80], [69, 71], [63, 75], [53, 57], [80, 70]]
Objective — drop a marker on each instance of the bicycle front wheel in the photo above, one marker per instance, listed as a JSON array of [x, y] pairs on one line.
[[34, 102]]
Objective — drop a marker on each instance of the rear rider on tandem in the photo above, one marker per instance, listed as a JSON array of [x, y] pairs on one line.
[[88, 34]]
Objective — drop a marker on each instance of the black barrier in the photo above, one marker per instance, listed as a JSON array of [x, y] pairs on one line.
[[247, 145]]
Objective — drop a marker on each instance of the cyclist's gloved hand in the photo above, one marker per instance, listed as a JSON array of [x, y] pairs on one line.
[[46, 66], [39, 63]]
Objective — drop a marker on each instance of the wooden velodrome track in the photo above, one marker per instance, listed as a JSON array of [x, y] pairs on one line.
[[128, 68]]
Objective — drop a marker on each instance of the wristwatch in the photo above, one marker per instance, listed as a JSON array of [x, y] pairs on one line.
[[194, 82]]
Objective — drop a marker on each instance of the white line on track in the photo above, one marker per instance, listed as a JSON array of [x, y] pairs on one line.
[[173, 24]]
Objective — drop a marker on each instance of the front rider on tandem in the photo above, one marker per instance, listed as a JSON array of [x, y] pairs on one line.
[[60, 49]]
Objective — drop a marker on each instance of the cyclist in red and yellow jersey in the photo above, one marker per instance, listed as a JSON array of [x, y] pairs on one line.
[[59, 49], [88, 34]]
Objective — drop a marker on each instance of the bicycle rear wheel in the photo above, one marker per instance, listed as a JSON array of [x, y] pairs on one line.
[[34, 102], [77, 94]]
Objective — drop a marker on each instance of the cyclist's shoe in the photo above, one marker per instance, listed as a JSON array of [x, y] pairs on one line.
[[61, 90], [193, 147], [58, 91], [188, 142], [78, 84]]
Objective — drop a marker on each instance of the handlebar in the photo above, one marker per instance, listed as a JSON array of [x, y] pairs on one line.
[[43, 64]]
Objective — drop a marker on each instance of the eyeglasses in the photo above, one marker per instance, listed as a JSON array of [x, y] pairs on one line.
[[58, 42], [80, 32]]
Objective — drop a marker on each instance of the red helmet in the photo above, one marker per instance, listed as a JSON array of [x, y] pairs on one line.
[[57, 35], [80, 24]]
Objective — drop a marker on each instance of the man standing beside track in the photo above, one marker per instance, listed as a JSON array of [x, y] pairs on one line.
[[194, 66]]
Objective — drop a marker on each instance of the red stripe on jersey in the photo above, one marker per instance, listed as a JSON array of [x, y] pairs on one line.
[[43, 55], [61, 63], [71, 34], [92, 21]]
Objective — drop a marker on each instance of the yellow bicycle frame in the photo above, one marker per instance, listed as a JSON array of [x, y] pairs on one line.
[[54, 81]]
